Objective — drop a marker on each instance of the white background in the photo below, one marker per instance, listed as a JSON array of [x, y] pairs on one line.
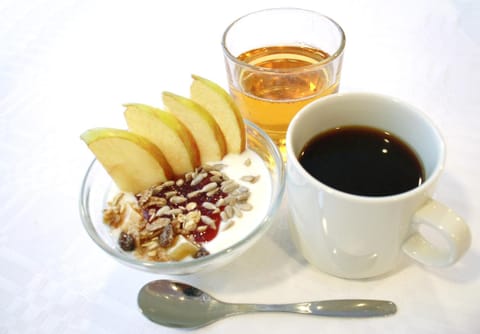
[[66, 66]]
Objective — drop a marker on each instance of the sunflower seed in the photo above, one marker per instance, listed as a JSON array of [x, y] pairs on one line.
[[180, 182], [209, 206], [209, 187], [157, 189], [194, 216], [244, 206], [230, 200], [229, 211], [227, 183], [230, 188], [191, 206], [177, 199], [218, 167], [237, 212], [227, 224], [212, 192], [202, 228], [164, 210], [189, 225], [216, 178], [223, 215], [209, 221], [197, 179], [175, 212], [170, 194], [193, 193], [250, 178], [242, 197], [243, 189], [168, 183]]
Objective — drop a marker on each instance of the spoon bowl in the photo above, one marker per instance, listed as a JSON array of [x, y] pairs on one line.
[[176, 304]]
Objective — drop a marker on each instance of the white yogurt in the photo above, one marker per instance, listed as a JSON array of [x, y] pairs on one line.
[[260, 197], [236, 228]]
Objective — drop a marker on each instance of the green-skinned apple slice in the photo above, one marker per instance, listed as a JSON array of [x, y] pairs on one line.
[[133, 162], [171, 136], [220, 105], [207, 133]]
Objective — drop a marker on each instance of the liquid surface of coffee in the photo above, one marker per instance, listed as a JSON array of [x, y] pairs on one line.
[[362, 161]]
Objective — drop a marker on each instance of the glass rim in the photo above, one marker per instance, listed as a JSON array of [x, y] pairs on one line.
[[329, 59]]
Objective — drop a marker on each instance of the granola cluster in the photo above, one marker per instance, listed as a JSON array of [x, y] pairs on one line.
[[172, 220]]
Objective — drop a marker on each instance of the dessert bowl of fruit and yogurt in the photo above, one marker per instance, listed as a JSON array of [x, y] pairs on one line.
[[189, 221]]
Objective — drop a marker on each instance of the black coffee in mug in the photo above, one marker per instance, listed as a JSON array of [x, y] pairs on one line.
[[362, 161]]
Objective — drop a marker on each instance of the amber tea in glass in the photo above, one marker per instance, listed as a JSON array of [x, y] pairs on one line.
[[279, 60]]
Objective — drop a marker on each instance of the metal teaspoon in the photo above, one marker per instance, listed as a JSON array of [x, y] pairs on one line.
[[176, 304]]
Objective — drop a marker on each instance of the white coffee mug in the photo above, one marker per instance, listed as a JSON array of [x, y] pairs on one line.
[[354, 236]]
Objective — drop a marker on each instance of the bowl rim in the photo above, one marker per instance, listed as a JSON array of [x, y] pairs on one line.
[[172, 266]]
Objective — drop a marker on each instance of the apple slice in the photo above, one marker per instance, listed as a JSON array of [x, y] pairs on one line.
[[204, 128], [221, 106], [133, 162], [167, 132]]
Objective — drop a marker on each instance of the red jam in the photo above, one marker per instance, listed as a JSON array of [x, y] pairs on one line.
[[183, 190]]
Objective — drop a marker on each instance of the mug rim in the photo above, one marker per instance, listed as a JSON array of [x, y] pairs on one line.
[[293, 159], [337, 54]]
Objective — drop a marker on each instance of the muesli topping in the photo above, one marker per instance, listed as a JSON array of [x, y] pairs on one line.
[[172, 220]]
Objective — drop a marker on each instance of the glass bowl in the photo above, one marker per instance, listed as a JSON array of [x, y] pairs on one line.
[[97, 185]]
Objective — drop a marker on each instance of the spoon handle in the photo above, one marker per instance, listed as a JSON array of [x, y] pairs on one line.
[[354, 308]]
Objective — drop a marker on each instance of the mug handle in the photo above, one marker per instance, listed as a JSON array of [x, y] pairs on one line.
[[448, 225]]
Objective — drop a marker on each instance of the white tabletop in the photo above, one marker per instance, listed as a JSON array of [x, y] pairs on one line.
[[68, 65]]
